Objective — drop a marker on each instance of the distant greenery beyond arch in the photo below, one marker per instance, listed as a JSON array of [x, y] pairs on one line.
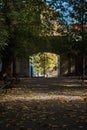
[[44, 63]]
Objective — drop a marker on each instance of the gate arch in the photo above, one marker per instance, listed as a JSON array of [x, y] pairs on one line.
[[45, 64]]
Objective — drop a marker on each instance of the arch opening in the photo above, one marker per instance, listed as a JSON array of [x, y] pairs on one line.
[[44, 64]]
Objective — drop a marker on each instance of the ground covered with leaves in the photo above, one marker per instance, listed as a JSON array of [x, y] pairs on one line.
[[55, 108]]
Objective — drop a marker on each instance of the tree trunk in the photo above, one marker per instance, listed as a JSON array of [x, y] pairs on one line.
[[14, 66], [76, 66], [6, 66], [69, 66], [83, 66], [83, 74]]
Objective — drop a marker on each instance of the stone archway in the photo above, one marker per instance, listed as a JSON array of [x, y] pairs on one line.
[[68, 65], [65, 66]]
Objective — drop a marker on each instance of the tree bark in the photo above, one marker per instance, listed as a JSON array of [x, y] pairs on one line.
[[83, 66], [6, 66], [14, 66], [69, 65]]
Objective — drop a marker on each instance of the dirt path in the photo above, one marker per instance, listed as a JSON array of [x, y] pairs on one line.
[[31, 108]]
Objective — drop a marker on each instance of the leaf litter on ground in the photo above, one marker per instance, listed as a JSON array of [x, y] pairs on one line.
[[31, 110]]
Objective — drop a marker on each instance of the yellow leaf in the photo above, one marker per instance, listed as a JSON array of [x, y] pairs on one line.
[[29, 129], [7, 125]]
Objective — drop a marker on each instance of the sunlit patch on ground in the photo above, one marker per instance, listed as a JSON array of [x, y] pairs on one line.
[[42, 96], [29, 94]]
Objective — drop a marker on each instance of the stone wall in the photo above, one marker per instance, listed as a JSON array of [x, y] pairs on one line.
[[22, 68], [67, 65]]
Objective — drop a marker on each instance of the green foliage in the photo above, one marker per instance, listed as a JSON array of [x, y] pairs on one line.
[[3, 37], [74, 16], [3, 30], [26, 25], [19, 24], [79, 16], [44, 61]]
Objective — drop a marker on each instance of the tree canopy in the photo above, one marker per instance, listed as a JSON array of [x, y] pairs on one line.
[[74, 16], [28, 26], [22, 28]]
